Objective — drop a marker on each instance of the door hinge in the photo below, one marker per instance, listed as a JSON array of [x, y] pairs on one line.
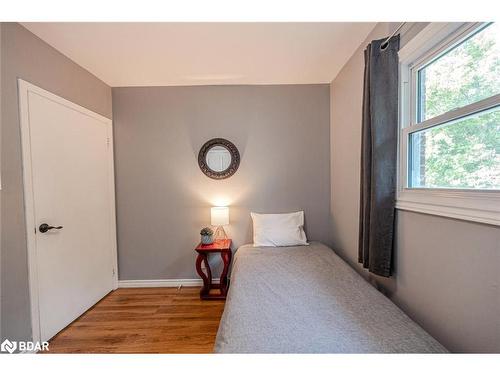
[[108, 141], [113, 272]]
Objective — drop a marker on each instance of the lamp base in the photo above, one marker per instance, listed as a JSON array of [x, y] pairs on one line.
[[220, 233]]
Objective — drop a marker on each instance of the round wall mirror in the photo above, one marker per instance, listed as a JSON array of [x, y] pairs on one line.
[[219, 158]]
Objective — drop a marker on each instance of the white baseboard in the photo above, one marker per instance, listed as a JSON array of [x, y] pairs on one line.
[[163, 283]]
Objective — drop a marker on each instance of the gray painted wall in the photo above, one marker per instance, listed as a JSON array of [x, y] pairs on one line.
[[447, 271], [162, 197], [28, 57]]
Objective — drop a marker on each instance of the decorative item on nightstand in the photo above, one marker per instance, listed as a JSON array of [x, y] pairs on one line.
[[220, 217], [206, 236]]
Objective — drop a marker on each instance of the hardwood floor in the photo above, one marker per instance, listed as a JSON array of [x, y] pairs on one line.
[[144, 320]]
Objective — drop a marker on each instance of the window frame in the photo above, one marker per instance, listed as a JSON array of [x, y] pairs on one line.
[[465, 204]]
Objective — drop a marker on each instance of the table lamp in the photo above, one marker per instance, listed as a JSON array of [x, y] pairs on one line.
[[219, 216]]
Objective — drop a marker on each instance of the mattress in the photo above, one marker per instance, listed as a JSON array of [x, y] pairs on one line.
[[306, 299]]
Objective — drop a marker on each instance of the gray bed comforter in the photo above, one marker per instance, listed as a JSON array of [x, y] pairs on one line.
[[305, 299]]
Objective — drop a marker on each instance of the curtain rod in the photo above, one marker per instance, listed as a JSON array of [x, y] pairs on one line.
[[384, 45]]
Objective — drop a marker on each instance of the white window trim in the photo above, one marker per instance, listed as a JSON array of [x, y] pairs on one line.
[[472, 205]]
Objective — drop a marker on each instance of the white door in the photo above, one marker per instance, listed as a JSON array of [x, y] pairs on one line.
[[68, 183]]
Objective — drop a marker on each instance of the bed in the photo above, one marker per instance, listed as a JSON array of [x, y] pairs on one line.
[[306, 299]]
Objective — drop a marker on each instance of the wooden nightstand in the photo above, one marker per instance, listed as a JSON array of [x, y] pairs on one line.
[[224, 248]]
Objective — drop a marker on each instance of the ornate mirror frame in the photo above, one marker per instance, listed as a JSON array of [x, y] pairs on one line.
[[235, 159]]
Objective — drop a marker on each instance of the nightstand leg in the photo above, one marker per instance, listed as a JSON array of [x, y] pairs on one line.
[[226, 258], [207, 278]]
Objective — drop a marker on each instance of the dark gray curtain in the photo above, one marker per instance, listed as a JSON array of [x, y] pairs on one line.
[[379, 156]]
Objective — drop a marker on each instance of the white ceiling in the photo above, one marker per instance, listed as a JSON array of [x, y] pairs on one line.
[[170, 54]]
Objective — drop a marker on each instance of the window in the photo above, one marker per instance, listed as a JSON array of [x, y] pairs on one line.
[[450, 122], [463, 74]]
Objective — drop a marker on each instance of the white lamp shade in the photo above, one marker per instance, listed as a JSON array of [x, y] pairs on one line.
[[219, 216]]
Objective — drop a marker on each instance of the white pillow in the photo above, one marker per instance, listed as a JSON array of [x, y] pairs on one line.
[[278, 229]]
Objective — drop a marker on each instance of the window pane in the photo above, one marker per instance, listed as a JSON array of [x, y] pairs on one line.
[[461, 154], [464, 75]]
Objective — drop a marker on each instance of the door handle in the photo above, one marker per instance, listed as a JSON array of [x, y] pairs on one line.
[[46, 227]]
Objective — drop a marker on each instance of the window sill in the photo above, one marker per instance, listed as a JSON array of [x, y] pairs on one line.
[[475, 206]]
